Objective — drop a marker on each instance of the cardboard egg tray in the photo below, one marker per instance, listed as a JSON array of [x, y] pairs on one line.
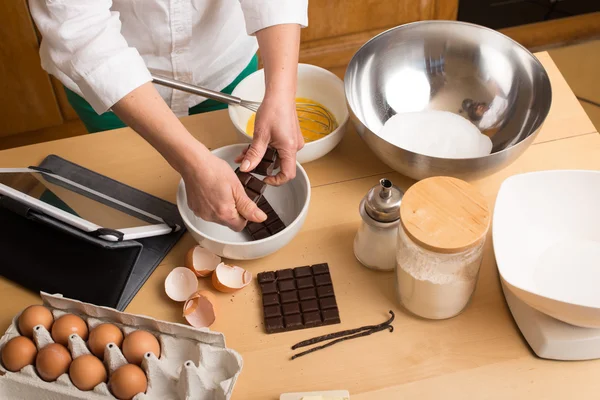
[[194, 363]]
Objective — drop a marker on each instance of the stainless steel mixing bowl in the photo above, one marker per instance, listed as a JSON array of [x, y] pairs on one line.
[[452, 66]]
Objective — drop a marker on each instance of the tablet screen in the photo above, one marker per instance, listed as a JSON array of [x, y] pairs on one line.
[[77, 200]]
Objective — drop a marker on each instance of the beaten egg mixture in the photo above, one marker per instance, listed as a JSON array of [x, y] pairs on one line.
[[309, 123]]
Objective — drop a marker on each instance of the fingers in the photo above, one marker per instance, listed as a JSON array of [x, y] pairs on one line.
[[255, 153], [246, 208], [240, 158], [287, 162]]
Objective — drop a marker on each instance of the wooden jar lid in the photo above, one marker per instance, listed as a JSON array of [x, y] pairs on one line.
[[444, 215]]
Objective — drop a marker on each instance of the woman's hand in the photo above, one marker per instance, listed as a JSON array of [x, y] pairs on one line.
[[276, 126], [276, 122], [215, 194]]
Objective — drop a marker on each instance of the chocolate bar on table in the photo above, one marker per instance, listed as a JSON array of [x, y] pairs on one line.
[[298, 298]]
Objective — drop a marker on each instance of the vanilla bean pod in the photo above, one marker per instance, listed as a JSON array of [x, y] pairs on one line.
[[336, 335], [344, 338]]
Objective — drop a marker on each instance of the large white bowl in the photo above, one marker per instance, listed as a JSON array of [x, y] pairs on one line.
[[314, 83], [546, 234], [290, 201]]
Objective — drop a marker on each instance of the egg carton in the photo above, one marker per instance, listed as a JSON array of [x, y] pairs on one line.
[[193, 364]]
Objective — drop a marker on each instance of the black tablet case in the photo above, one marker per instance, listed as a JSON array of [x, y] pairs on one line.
[[44, 254]]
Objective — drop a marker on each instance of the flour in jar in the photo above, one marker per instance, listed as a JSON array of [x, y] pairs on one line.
[[437, 134]]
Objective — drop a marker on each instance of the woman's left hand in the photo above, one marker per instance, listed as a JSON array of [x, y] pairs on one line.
[[276, 126]]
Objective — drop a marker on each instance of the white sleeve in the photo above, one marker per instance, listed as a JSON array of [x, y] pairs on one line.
[[82, 44], [260, 14]]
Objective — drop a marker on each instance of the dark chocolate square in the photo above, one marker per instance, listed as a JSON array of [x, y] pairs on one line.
[[256, 185], [274, 324], [252, 194], [309, 305], [264, 168], [272, 311], [286, 285], [268, 287], [293, 321], [312, 318], [289, 297], [307, 294], [272, 218], [331, 316], [244, 177], [266, 277], [320, 268], [291, 308], [265, 206], [325, 291], [263, 233], [302, 272], [322, 280], [270, 299], [327, 303], [276, 227], [285, 274], [270, 154], [253, 227], [304, 283]]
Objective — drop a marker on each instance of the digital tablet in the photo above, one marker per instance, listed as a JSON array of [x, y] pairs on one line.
[[80, 206]]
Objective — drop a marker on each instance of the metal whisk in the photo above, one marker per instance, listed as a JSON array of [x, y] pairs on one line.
[[321, 117]]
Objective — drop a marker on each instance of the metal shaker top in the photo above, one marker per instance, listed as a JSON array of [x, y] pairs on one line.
[[382, 202]]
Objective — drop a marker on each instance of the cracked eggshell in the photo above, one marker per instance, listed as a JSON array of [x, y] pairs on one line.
[[228, 278], [201, 261], [200, 310], [180, 284]]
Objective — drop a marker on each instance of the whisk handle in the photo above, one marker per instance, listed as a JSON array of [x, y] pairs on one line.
[[197, 90]]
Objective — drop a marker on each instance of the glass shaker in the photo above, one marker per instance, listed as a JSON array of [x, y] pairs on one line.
[[443, 227], [375, 241]]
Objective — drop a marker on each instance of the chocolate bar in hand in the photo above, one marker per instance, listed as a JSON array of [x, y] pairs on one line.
[[254, 187], [298, 298], [266, 166], [272, 225]]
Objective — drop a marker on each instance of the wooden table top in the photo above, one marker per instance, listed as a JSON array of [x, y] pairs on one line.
[[478, 354]]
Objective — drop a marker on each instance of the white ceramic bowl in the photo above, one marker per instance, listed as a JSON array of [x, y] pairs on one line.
[[314, 83], [290, 201], [546, 233]]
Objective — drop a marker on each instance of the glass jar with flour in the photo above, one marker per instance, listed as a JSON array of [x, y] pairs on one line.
[[443, 227]]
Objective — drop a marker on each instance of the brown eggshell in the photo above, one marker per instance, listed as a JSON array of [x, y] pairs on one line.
[[101, 336], [68, 325], [128, 381], [33, 316], [137, 344], [201, 261], [52, 361], [87, 372], [17, 353], [228, 279], [180, 284], [200, 309]]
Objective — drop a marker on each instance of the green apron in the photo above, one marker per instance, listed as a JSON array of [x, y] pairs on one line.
[[107, 121]]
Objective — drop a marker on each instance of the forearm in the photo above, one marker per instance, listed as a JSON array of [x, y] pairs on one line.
[[145, 111], [279, 47]]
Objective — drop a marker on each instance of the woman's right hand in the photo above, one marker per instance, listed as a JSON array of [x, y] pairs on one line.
[[215, 194]]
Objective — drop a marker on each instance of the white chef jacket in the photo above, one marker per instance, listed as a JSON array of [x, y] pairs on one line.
[[102, 49]]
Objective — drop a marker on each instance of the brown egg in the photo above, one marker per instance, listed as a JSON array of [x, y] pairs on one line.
[[33, 316], [137, 344], [18, 353], [128, 381], [102, 335], [67, 325], [52, 361], [87, 372]]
